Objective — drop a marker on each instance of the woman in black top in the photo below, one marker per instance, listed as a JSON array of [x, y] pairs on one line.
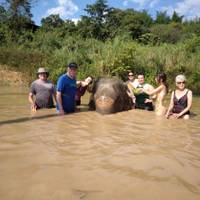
[[181, 100]]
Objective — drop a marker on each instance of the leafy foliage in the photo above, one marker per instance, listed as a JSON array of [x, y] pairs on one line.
[[105, 42]]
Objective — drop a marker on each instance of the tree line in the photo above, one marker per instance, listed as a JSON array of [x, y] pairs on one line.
[[105, 41]]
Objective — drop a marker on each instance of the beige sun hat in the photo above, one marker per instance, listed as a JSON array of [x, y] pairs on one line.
[[180, 78], [42, 70]]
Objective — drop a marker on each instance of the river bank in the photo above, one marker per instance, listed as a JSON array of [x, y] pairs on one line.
[[11, 77], [110, 58]]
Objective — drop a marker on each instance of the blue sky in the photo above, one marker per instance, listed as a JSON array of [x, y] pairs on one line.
[[73, 9]]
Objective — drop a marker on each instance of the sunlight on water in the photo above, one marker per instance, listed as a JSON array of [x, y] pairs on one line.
[[128, 155]]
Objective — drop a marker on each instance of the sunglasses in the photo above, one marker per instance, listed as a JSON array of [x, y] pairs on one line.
[[183, 82]]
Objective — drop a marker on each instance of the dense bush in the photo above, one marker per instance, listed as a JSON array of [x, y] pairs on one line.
[[23, 61], [111, 58], [105, 42]]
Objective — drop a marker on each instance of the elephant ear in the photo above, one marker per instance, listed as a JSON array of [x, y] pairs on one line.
[[127, 101], [92, 103], [123, 101], [90, 87], [93, 86]]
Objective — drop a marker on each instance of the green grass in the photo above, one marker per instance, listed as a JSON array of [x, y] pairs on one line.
[[111, 58]]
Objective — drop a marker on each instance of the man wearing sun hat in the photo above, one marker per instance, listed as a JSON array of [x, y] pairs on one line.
[[43, 90], [66, 90]]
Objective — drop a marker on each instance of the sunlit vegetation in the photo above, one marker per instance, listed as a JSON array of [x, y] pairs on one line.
[[105, 42]]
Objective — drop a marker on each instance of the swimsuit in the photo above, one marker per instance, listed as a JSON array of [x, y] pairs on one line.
[[180, 104]]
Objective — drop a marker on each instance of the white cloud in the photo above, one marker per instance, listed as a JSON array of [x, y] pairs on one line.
[[62, 2], [64, 8], [125, 2], [153, 3], [142, 3], [189, 8], [75, 20]]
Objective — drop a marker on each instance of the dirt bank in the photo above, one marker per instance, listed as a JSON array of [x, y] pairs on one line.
[[9, 77]]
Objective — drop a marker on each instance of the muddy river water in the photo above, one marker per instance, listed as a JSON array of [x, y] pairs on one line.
[[131, 155]]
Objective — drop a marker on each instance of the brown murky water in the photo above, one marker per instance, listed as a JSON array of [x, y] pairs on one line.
[[125, 156]]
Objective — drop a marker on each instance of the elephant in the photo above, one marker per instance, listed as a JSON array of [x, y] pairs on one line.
[[109, 95]]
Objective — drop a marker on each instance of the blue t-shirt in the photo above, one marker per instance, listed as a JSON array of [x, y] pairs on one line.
[[67, 87]]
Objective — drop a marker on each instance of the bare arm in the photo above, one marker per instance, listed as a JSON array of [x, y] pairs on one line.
[[154, 91], [78, 83], [171, 105], [59, 102], [54, 93], [31, 100], [130, 90], [149, 89], [54, 96]]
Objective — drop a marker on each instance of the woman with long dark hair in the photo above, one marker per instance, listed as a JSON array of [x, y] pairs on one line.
[[160, 92]]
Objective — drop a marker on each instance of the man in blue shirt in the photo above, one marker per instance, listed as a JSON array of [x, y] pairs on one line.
[[66, 90]]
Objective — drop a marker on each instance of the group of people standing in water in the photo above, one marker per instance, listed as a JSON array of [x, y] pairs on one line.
[[68, 92], [143, 95]]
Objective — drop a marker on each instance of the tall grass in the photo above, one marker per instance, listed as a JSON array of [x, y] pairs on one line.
[[111, 58]]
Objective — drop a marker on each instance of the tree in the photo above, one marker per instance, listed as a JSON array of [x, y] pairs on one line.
[[4, 30], [19, 12], [167, 33], [192, 27], [176, 18], [95, 21], [114, 21], [85, 27], [51, 22], [69, 27], [19, 8], [3, 15], [136, 23], [162, 17], [98, 10]]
